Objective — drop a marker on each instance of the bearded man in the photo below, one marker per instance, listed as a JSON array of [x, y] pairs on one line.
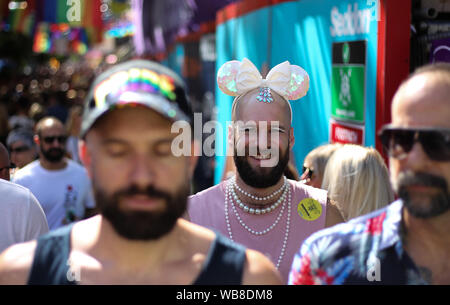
[[259, 207], [141, 189], [61, 186]]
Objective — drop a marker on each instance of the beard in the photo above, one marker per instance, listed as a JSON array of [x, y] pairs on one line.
[[261, 177], [142, 225], [423, 205], [53, 154]]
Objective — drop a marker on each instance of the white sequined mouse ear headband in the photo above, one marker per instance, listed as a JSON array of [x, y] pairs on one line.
[[236, 78]]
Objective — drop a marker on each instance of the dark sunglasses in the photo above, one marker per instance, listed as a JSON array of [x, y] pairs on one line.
[[50, 140], [19, 149], [310, 172], [399, 141]]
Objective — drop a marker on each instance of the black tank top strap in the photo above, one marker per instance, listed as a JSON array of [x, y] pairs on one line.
[[51, 259], [224, 264]]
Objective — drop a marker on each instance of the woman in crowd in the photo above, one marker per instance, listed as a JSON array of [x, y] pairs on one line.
[[357, 179]]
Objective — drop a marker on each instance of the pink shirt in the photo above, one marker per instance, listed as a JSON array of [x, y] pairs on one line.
[[207, 208]]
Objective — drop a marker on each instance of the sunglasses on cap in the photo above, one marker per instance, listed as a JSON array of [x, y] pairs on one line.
[[310, 172], [50, 140], [19, 149], [399, 141]]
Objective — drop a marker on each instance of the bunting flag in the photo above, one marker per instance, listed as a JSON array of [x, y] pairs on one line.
[[79, 41], [42, 42], [93, 20], [55, 20], [27, 22], [14, 19], [76, 13], [21, 18]]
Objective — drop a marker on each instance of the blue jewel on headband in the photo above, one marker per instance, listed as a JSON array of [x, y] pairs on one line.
[[264, 95]]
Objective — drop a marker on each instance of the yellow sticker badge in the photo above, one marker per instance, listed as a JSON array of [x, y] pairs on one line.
[[309, 209]]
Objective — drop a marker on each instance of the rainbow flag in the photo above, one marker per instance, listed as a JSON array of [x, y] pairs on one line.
[[42, 41], [21, 20], [93, 22], [79, 43], [82, 18], [76, 13]]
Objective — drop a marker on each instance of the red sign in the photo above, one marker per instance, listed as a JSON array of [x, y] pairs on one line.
[[347, 133]]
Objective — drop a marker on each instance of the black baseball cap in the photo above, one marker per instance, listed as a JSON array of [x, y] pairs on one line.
[[140, 82]]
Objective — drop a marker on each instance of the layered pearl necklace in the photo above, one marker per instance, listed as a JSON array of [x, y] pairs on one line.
[[250, 210], [260, 198], [230, 194]]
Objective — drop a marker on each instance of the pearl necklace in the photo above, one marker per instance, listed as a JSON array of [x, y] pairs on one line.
[[286, 235], [256, 197], [247, 209]]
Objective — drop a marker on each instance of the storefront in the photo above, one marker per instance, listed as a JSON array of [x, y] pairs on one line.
[[356, 53]]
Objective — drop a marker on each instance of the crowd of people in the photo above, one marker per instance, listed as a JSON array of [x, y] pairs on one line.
[[98, 197]]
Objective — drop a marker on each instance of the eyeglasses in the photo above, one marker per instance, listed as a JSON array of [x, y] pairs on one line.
[[11, 166], [19, 149], [310, 172], [399, 141], [50, 140]]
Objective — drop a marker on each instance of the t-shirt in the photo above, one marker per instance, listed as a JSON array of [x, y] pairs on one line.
[[21, 217], [207, 209], [63, 194]]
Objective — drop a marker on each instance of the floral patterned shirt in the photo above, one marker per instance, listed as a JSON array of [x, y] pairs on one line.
[[365, 250]]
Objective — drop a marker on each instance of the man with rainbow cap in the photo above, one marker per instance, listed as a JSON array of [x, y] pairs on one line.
[[141, 189]]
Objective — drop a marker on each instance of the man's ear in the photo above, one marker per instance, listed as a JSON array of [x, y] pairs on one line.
[[37, 140], [85, 155], [291, 138]]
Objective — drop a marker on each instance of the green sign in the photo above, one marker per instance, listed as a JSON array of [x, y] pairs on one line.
[[348, 81]]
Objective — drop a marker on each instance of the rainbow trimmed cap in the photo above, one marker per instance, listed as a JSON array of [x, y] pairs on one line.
[[139, 82]]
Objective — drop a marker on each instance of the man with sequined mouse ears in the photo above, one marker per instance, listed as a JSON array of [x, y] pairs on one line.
[[259, 207], [406, 242], [141, 191]]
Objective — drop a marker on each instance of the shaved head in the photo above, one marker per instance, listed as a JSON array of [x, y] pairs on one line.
[[250, 101], [427, 90], [47, 123]]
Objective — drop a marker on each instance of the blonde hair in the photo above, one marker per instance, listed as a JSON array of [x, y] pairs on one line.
[[319, 156], [357, 179]]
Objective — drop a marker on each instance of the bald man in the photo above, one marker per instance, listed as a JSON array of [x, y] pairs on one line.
[[5, 163], [61, 185], [408, 241], [259, 207]]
